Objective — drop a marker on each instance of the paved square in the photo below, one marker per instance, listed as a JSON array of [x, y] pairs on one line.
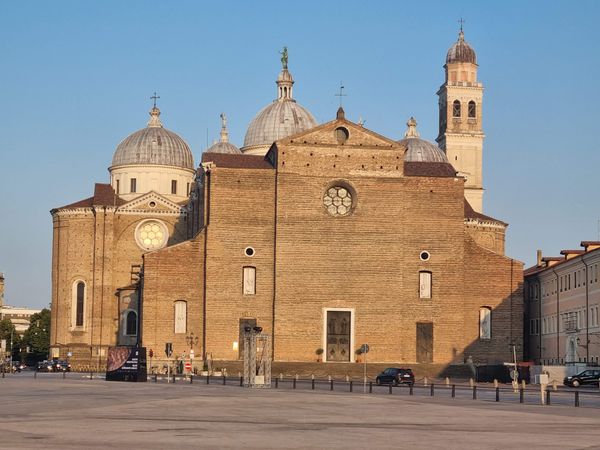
[[52, 413]]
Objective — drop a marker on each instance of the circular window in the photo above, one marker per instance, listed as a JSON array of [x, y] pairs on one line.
[[249, 251], [151, 234], [152, 204], [338, 200], [424, 255], [341, 135]]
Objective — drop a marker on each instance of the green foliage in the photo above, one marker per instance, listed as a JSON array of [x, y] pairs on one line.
[[37, 336], [6, 327]]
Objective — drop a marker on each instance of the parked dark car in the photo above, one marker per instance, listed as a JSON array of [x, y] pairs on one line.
[[393, 375], [585, 377], [60, 365], [44, 366]]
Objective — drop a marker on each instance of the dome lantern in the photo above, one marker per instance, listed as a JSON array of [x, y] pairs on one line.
[[279, 119], [420, 150], [223, 146]]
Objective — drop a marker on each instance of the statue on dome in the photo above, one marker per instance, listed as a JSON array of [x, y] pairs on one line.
[[284, 58]]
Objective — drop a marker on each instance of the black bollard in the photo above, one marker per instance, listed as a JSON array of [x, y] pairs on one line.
[[497, 394], [474, 392], [331, 385], [224, 380], [548, 397], [453, 390], [64, 375], [576, 398], [155, 377], [313, 384], [410, 391], [241, 381], [174, 379], [350, 385], [294, 383], [207, 378], [521, 395], [370, 387], [432, 391], [191, 378], [390, 388], [91, 375], [276, 383]]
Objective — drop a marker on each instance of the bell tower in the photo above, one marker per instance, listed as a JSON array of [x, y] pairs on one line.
[[460, 105]]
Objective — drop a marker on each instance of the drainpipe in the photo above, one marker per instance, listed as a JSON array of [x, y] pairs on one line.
[[587, 313], [206, 224], [557, 318]]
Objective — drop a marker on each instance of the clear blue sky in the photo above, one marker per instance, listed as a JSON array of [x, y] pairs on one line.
[[76, 76]]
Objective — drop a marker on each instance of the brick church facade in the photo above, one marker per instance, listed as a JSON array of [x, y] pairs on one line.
[[327, 236]]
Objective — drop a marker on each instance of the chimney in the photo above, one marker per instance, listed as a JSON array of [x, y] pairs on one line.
[[539, 258]]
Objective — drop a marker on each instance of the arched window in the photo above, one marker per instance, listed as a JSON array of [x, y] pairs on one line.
[[180, 316], [78, 304], [456, 109], [485, 323], [424, 284], [472, 110], [131, 323], [249, 280]]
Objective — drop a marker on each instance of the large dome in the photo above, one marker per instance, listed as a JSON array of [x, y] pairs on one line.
[[276, 121], [280, 119], [461, 51], [153, 145], [418, 149]]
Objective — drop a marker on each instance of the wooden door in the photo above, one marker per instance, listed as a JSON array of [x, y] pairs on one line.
[[338, 335], [425, 342]]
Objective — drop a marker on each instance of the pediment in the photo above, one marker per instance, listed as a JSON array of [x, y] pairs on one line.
[[327, 134], [152, 202]]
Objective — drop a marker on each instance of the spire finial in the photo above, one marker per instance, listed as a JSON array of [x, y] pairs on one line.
[[461, 34], [341, 93], [284, 58], [224, 131], [154, 121], [412, 129]]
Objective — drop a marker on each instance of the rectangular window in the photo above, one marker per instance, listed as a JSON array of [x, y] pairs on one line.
[[187, 189], [118, 186], [133, 185], [485, 323], [180, 316], [249, 281], [424, 284], [174, 187]]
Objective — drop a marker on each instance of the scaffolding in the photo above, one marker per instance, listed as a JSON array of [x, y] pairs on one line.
[[257, 358]]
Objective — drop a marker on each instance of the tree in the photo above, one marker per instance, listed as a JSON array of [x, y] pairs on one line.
[[9, 333], [37, 336]]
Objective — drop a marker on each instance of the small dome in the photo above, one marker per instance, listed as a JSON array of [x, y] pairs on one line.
[[154, 145], [281, 118], [461, 51], [418, 149], [223, 147]]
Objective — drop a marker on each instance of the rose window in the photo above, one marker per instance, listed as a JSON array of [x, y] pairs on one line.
[[151, 235], [337, 200]]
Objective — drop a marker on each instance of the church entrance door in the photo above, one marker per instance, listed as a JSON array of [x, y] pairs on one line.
[[338, 335], [244, 322], [425, 342]]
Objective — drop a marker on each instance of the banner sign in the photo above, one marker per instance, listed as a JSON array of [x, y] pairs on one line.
[[126, 364]]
